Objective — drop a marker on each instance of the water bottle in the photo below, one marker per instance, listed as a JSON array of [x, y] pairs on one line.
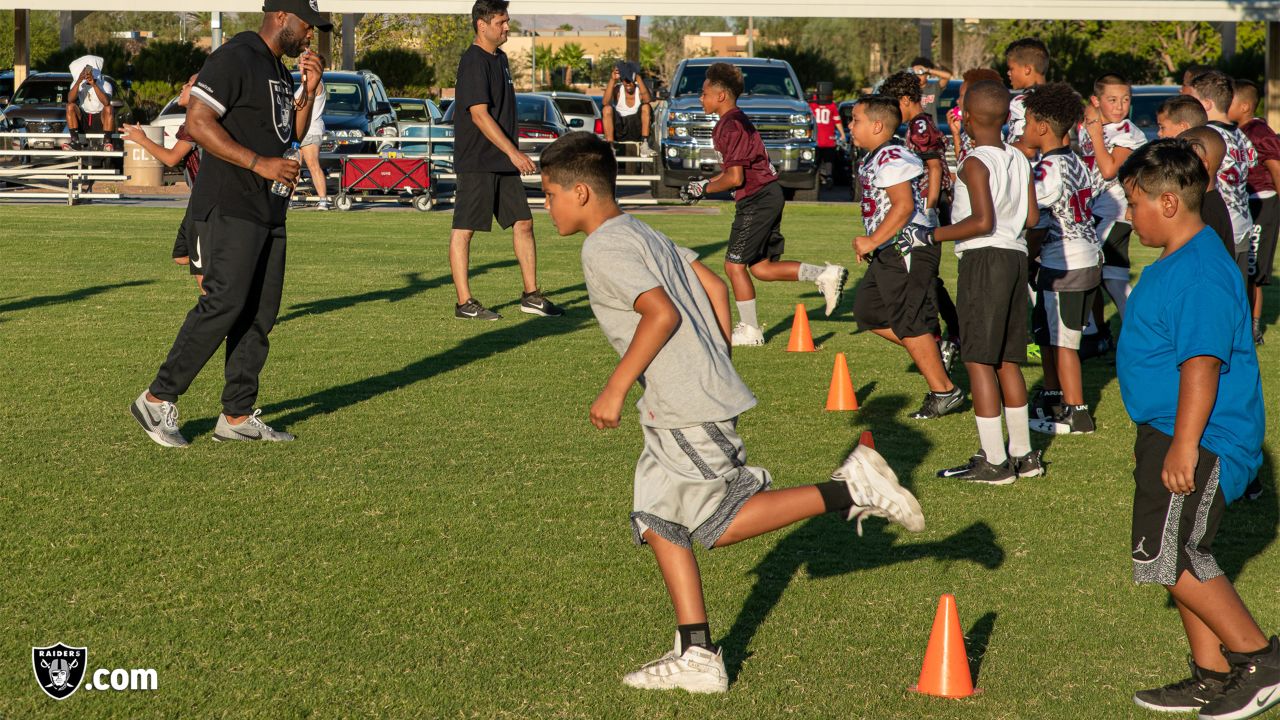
[[279, 188]]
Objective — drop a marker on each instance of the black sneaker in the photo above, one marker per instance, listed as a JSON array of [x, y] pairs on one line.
[[949, 348], [979, 470], [938, 404], [1071, 420], [1252, 688], [1029, 465], [1254, 491], [1186, 695], [535, 304], [473, 310], [1046, 403]]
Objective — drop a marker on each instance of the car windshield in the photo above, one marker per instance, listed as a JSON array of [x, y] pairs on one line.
[[756, 80], [576, 106], [531, 109], [411, 111], [52, 92], [343, 97], [1142, 109]]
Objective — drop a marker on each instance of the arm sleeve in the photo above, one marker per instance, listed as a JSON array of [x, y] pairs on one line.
[[473, 84], [898, 170], [618, 272], [921, 141], [1268, 146], [1129, 137], [220, 84], [1048, 183], [686, 254], [1199, 319]]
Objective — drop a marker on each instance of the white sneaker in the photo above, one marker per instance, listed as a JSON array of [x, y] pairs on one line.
[[697, 670], [744, 334], [645, 150], [831, 284], [322, 204], [876, 492], [158, 420]]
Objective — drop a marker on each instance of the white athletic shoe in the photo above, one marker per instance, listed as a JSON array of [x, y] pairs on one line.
[[158, 420], [744, 334], [831, 284], [697, 670], [876, 492]]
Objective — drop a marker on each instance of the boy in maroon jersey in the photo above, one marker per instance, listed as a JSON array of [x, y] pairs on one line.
[[826, 124], [1264, 205]]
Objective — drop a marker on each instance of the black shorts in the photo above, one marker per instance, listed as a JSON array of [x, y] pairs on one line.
[[1060, 316], [899, 293], [757, 227], [89, 122], [481, 196], [991, 299], [187, 244], [628, 128], [1172, 533], [1266, 221], [1115, 246]]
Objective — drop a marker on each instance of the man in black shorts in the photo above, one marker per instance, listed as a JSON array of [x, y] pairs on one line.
[[627, 116], [489, 164], [245, 117]]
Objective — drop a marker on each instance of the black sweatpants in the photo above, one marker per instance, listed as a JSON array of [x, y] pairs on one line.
[[243, 265]]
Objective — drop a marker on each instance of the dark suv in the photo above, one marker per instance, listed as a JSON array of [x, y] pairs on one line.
[[39, 105], [356, 106]]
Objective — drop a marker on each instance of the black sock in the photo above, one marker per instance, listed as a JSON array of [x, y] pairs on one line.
[[835, 496], [1212, 674], [696, 634]]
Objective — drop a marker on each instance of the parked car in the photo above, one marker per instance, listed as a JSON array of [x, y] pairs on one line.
[[1147, 99], [444, 104], [422, 119], [356, 106], [171, 117], [6, 87], [39, 105], [579, 110], [415, 111], [540, 121], [774, 100]]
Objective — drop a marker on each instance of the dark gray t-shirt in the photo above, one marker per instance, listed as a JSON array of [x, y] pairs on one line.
[[483, 79], [692, 380]]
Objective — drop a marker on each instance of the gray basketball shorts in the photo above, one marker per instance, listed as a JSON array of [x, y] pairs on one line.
[[691, 482]]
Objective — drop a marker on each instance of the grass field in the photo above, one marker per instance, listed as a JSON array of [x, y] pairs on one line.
[[448, 537]]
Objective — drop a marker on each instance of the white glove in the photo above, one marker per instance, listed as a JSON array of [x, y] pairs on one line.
[[693, 191]]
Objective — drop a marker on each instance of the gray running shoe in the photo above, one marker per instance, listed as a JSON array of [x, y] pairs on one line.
[[938, 404], [534, 303], [831, 284], [250, 429], [473, 310], [158, 420]]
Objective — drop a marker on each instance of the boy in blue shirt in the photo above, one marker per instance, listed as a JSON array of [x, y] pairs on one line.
[[1189, 379]]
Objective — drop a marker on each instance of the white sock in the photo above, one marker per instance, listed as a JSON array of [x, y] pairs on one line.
[[747, 313], [992, 437], [1119, 292], [810, 273], [1019, 430]]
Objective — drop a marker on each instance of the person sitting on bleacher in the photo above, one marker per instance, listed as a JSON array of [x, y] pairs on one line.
[[89, 109], [627, 116]]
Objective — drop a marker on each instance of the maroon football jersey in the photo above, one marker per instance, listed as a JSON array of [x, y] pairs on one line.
[[927, 141], [739, 144], [191, 163]]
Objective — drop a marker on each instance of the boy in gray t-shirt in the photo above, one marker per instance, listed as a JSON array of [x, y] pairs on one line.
[[668, 317]]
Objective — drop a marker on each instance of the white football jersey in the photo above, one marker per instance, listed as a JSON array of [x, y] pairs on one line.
[[1017, 116], [1064, 190], [1109, 202], [1010, 178], [886, 166], [1233, 179]]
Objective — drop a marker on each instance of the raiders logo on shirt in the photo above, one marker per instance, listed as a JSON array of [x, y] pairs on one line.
[[282, 104]]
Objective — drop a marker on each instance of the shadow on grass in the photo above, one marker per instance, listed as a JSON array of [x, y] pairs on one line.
[[68, 297], [976, 642]]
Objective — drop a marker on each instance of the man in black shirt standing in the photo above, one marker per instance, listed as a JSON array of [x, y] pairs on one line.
[[489, 164], [245, 117]]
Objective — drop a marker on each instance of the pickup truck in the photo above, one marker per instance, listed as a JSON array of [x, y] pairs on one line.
[[773, 98]]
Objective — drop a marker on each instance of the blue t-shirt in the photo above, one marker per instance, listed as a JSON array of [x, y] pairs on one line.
[[1188, 304]]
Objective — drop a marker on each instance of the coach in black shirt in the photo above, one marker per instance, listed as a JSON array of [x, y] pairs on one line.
[[244, 116], [489, 164]]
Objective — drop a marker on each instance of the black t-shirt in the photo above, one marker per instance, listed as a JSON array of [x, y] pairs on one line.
[[483, 79], [1214, 213], [252, 93]]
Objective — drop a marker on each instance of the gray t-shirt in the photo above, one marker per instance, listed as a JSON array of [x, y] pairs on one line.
[[692, 380]]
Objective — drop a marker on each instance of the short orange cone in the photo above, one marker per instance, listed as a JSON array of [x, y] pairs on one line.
[[867, 440], [946, 665], [840, 396], [801, 339]]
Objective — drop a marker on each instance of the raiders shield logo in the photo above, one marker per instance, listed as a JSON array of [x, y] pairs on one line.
[[59, 669], [282, 103]]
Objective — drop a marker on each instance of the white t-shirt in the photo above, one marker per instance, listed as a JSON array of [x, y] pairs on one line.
[[1109, 203], [88, 99], [1233, 179], [1010, 179], [886, 166], [621, 107], [316, 127], [1064, 189]]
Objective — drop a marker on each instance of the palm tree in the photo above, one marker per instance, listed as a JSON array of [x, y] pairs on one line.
[[572, 57], [544, 58]]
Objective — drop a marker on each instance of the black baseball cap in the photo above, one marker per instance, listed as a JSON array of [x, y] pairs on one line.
[[305, 9]]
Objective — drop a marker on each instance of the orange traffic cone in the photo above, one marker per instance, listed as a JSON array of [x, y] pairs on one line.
[[945, 672], [801, 339], [840, 396], [867, 440]]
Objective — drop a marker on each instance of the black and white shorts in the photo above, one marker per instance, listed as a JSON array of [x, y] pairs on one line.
[[1115, 249], [991, 300], [1172, 533], [628, 128], [1060, 316], [691, 482], [757, 227], [1266, 226], [900, 293], [481, 196]]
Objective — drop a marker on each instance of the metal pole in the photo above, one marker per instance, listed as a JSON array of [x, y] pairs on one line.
[[947, 44], [1273, 73], [533, 53], [21, 46], [926, 38], [751, 36], [215, 30]]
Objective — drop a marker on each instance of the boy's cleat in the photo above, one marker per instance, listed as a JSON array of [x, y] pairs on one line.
[[831, 284], [534, 303], [697, 670], [1254, 491], [949, 348], [938, 404], [1252, 688], [744, 334], [981, 471], [1070, 420], [1186, 695], [473, 310], [158, 420], [250, 429], [875, 491], [1029, 465], [1046, 403]]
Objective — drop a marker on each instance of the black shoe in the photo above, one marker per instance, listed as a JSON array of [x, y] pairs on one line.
[[1254, 491], [949, 348], [938, 404], [979, 470], [1071, 420], [1251, 689], [473, 310], [1186, 695], [1046, 403], [1092, 346], [535, 304], [1029, 465]]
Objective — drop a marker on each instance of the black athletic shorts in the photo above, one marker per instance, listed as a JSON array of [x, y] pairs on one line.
[[481, 196], [1115, 246], [1172, 533], [1266, 219], [899, 293], [1060, 316], [628, 128], [187, 244], [757, 227], [991, 299]]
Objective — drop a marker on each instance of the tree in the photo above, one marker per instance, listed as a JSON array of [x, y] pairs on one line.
[[403, 72], [566, 27], [810, 65], [668, 33], [572, 58], [44, 35], [602, 69], [545, 60], [170, 61], [444, 39]]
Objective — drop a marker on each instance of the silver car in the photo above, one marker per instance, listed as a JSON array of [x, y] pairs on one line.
[[579, 110]]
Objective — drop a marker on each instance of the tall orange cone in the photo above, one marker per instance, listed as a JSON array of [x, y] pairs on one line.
[[840, 396], [867, 440], [801, 339], [946, 665]]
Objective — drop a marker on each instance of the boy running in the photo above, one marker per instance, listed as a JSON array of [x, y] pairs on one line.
[[1189, 378], [1215, 91], [1027, 62], [668, 317], [1264, 206], [755, 242]]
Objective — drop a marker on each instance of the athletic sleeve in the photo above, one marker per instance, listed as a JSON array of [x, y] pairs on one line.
[[923, 139], [616, 270], [1197, 317], [473, 83], [220, 83], [896, 165], [1266, 144], [1128, 136], [1049, 185], [686, 254]]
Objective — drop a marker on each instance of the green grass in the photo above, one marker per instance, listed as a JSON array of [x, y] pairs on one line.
[[449, 537]]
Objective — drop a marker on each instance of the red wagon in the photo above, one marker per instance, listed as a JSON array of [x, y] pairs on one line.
[[373, 178]]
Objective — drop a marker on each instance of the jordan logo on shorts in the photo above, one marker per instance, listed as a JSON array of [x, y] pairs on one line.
[[1140, 549]]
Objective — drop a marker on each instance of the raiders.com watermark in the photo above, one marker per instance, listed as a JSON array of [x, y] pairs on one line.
[[61, 670]]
